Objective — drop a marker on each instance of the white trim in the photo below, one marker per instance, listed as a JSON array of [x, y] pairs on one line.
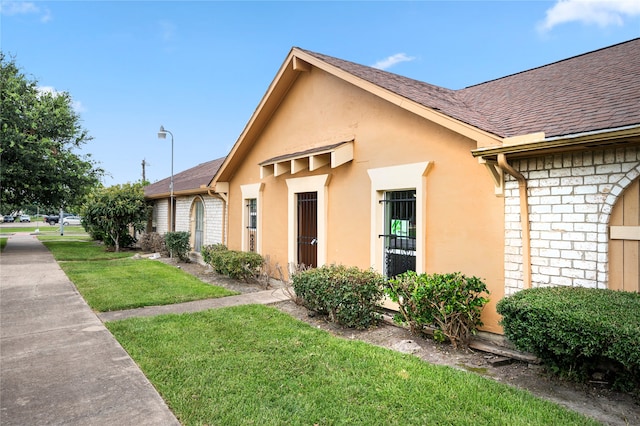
[[252, 191], [630, 233], [295, 186], [193, 221], [407, 176]]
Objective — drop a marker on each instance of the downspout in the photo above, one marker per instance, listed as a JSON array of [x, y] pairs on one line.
[[225, 214], [524, 218]]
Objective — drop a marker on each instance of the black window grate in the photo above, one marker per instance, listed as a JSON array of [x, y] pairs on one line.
[[252, 227], [400, 232]]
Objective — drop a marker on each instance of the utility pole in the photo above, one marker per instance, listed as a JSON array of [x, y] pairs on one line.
[[144, 176]]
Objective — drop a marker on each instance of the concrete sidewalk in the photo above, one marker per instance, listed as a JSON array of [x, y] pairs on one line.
[[265, 297], [58, 362]]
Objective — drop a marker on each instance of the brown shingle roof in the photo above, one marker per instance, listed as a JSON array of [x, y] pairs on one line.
[[435, 97], [188, 180], [593, 91]]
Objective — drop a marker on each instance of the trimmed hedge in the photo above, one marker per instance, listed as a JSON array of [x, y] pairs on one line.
[[452, 303], [234, 264], [578, 332], [348, 295]]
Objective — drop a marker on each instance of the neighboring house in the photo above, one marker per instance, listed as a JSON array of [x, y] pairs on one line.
[[196, 209], [571, 152], [528, 180]]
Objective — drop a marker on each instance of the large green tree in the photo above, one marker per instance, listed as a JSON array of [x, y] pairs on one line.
[[39, 135], [116, 213]]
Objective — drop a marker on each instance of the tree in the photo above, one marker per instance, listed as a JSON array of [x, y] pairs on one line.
[[110, 214], [39, 132]]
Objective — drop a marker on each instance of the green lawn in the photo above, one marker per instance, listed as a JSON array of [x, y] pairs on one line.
[[111, 281], [45, 233], [83, 249], [256, 365], [43, 229]]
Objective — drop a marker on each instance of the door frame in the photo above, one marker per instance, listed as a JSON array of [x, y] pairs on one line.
[[307, 211], [624, 240], [318, 184]]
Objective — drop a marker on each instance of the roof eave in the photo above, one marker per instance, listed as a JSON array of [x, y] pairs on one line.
[[196, 191], [278, 88], [584, 140]]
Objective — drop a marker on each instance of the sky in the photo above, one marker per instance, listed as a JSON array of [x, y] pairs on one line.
[[200, 68]]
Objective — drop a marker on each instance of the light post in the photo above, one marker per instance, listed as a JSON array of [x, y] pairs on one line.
[[162, 134]]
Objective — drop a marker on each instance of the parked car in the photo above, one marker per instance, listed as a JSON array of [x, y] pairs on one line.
[[72, 220], [25, 218], [53, 219], [8, 218]]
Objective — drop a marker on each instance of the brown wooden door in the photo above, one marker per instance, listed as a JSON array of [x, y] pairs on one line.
[[624, 243], [308, 229]]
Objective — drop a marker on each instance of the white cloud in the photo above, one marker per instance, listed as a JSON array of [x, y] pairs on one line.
[[168, 30], [392, 60], [18, 7], [600, 12], [77, 106], [10, 8], [47, 89], [46, 16]]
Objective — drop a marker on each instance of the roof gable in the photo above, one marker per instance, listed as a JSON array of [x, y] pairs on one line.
[[594, 91], [420, 98]]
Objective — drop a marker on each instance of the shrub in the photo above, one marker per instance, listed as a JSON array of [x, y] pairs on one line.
[[234, 264], [578, 332], [124, 238], [177, 244], [349, 296], [153, 242], [451, 303], [207, 251]]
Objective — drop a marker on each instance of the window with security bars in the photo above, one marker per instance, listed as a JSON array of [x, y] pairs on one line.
[[252, 224], [400, 232]]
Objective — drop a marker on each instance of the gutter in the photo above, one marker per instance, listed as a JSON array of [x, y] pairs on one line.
[[591, 139], [524, 219]]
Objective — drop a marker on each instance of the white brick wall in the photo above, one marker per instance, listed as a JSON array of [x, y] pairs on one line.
[[161, 216], [570, 201], [213, 220]]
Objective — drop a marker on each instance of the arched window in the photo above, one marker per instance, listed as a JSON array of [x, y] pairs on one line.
[[198, 224]]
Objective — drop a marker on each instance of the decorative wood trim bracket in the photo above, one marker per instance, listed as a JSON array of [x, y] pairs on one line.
[[497, 175], [333, 155]]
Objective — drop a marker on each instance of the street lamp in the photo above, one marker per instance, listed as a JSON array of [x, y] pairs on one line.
[[162, 134]]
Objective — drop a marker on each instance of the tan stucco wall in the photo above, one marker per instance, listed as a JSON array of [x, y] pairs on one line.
[[464, 220]]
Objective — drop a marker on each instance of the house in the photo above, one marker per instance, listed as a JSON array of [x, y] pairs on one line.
[[196, 209], [528, 180]]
